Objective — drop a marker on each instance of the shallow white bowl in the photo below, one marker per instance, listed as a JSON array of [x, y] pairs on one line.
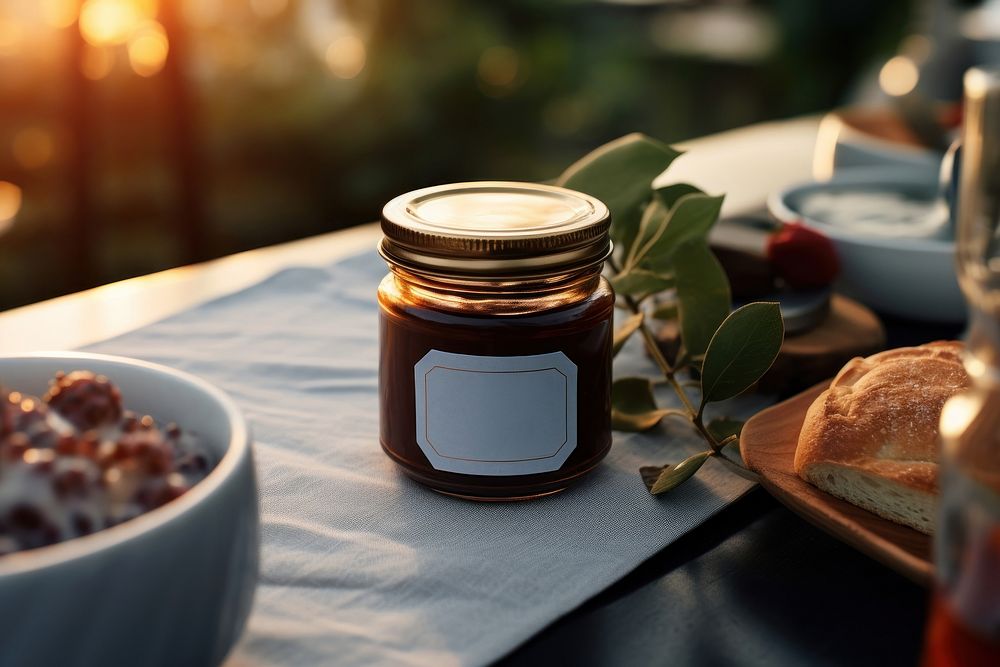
[[907, 277], [171, 587]]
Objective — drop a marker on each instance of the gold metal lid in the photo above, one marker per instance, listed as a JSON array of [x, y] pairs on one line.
[[495, 228]]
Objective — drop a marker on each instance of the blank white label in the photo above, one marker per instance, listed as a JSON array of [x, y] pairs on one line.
[[495, 415]]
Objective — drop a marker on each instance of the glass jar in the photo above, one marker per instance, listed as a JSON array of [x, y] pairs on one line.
[[964, 624], [495, 330]]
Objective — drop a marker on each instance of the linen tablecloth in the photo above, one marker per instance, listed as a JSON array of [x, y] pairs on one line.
[[360, 565]]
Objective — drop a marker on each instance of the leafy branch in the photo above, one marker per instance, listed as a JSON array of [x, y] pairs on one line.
[[663, 269]]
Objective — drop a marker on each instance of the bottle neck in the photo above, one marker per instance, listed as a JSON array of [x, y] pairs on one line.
[[492, 287], [501, 296]]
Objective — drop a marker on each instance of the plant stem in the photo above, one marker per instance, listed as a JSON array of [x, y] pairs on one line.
[[695, 415], [729, 439]]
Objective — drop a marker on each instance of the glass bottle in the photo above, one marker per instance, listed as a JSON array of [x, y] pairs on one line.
[[964, 624]]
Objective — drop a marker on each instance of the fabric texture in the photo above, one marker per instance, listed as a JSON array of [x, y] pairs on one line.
[[360, 565]]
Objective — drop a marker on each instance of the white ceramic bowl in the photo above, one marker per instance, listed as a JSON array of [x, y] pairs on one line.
[[856, 137], [907, 277], [171, 587]]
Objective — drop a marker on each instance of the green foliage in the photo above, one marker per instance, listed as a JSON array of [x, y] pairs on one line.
[[639, 282], [664, 311], [723, 428], [633, 407], [691, 217], [703, 298], [662, 250], [670, 477], [621, 175], [669, 194], [627, 328], [741, 351]]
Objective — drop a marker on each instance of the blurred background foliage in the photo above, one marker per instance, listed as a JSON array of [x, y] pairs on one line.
[[136, 135]]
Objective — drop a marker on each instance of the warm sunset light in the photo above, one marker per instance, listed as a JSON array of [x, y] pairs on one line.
[[267, 9], [107, 21], [59, 13], [147, 49], [113, 21], [346, 56], [10, 204], [97, 62], [33, 147], [10, 37]]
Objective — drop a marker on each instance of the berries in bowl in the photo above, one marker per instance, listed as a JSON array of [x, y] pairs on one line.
[[128, 514], [74, 461]]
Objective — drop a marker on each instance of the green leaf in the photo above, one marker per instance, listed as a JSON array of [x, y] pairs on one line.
[[654, 216], [721, 428], [669, 477], [633, 395], [621, 175], [668, 195], [627, 328], [665, 311], [702, 295], [658, 212], [691, 218], [633, 407], [741, 351], [639, 281]]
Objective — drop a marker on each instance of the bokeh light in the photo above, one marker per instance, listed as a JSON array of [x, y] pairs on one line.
[[201, 15], [33, 147], [498, 69], [10, 204], [59, 13], [565, 115], [148, 48], [10, 37], [346, 56], [113, 21], [268, 9], [899, 76], [97, 62]]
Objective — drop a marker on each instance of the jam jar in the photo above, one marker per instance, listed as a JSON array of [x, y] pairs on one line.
[[495, 330]]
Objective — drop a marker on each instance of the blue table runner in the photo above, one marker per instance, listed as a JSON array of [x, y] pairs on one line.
[[360, 565]]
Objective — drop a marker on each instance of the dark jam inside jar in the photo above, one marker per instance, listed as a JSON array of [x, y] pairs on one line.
[[573, 320], [495, 330]]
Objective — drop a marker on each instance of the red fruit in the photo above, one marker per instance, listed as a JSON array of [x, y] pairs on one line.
[[75, 478], [84, 399], [802, 257], [146, 449], [29, 417]]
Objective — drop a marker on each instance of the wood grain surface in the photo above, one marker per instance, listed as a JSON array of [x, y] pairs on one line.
[[768, 443]]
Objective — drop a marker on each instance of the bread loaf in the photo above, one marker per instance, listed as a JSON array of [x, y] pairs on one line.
[[872, 437]]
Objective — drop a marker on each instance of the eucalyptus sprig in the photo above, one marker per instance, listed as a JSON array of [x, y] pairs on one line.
[[663, 269]]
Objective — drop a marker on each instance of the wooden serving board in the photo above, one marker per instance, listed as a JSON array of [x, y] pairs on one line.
[[768, 443]]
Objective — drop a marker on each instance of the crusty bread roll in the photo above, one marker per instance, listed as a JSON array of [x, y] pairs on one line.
[[872, 437]]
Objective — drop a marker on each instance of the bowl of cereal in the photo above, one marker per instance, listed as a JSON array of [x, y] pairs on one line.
[[129, 523]]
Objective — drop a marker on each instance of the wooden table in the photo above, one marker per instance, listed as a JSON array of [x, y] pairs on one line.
[[753, 585]]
